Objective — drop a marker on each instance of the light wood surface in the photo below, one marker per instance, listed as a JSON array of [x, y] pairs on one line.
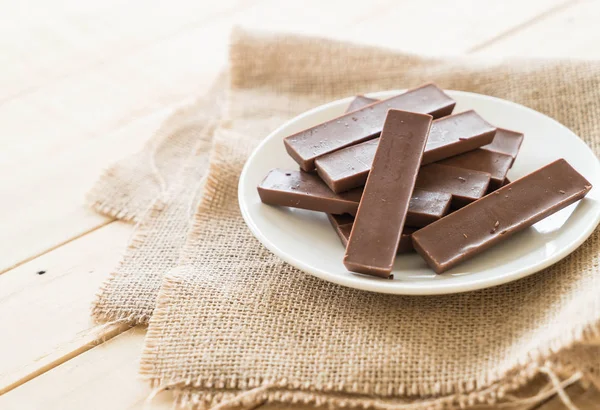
[[85, 83]]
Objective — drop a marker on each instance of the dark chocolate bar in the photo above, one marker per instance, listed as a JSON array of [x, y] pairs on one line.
[[299, 189], [496, 217], [363, 124], [379, 222], [455, 134]]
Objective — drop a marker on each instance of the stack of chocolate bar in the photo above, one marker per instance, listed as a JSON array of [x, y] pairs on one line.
[[404, 174]]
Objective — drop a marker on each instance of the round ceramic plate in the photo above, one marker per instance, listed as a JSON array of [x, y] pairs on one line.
[[306, 240]]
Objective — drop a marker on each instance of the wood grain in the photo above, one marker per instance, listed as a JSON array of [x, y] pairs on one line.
[[64, 38], [446, 27], [572, 33], [104, 378]]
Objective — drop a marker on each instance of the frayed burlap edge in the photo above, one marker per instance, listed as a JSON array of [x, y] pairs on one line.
[[138, 237], [144, 228]]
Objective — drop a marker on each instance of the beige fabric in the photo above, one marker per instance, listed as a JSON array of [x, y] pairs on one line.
[[127, 188], [235, 325], [165, 198]]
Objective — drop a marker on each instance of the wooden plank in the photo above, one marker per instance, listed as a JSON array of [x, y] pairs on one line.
[[46, 317], [43, 200], [102, 378], [572, 33], [81, 125]]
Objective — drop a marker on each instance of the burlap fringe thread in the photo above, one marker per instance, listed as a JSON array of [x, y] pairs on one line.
[[193, 397]]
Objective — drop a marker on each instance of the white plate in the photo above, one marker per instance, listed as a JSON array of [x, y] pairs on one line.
[[307, 241]]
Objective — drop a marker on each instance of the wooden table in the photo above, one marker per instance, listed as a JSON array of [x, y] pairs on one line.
[[84, 83]]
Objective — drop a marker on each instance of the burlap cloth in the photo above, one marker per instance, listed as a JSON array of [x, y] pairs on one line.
[[234, 325]]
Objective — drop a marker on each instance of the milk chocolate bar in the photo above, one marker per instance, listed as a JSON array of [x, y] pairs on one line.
[[455, 134], [360, 101], [299, 189], [426, 207], [494, 163], [465, 185], [342, 224], [496, 217], [506, 142], [382, 211], [363, 124]]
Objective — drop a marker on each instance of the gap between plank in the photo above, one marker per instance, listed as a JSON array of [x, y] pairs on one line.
[[58, 245], [519, 27], [111, 331], [170, 107]]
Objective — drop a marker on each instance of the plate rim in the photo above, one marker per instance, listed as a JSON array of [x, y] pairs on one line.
[[385, 286]]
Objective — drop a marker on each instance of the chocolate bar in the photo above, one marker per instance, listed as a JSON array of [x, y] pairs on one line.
[[496, 217], [494, 163], [455, 134], [465, 185], [339, 220], [506, 142], [360, 101], [363, 124], [382, 211], [303, 190], [299, 189], [427, 207], [342, 224]]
